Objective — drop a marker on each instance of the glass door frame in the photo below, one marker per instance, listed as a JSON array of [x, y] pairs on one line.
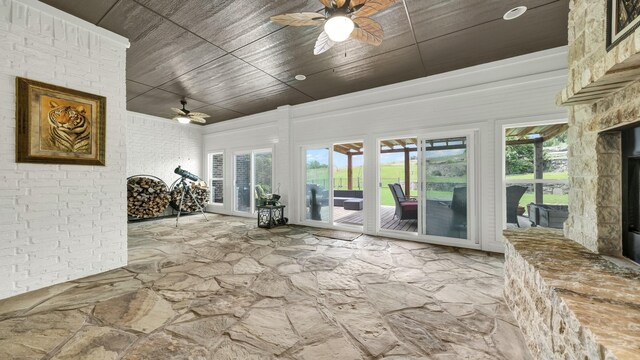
[[303, 188], [408, 235], [330, 223], [349, 227], [251, 153], [473, 186], [472, 239]]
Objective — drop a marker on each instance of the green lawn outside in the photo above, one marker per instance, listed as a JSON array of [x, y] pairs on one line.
[[545, 176], [392, 173]]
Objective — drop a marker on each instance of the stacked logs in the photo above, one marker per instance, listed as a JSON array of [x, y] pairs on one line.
[[146, 197], [199, 190]]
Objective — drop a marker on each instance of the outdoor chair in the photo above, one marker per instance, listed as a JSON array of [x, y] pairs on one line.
[[459, 199], [315, 205], [406, 209], [514, 194]]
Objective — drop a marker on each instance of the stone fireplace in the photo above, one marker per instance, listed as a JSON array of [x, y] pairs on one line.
[[573, 294]]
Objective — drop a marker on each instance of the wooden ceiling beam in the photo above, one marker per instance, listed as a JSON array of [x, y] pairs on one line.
[[555, 131], [341, 149], [354, 146]]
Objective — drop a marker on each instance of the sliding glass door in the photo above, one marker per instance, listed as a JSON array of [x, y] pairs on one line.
[[398, 182], [447, 195], [348, 184], [317, 184], [253, 177], [242, 189], [427, 187]]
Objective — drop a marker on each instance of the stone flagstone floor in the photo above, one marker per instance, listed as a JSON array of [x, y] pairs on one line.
[[225, 289]]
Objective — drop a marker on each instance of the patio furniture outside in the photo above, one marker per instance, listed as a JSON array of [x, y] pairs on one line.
[[514, 194], [406, 209]]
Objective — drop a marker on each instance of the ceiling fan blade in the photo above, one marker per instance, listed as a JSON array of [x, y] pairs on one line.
[[373, 6], [199, 114], [298, 19], [368, 31], [340, 3], [323, 44], [178, 111], [326, 3], [355, 3], [198, 119]]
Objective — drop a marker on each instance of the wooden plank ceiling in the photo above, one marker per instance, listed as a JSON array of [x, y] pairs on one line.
[[227, 59]]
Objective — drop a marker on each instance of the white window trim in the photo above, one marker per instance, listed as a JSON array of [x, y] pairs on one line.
[[500, 168]]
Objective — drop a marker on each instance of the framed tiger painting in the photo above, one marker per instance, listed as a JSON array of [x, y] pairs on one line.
[[56, 125]]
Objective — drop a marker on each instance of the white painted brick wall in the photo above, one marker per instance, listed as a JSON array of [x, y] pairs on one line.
[[60, 222], [156, 146]]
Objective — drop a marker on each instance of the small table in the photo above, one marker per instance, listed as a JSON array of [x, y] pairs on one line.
[[270, 216], [353, 204]]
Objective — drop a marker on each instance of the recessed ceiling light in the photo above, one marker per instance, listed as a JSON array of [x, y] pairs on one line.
[[514, 13], [301, 77]]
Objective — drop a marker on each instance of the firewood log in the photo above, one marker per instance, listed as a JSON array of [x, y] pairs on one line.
[[199, 190], [146, 197]]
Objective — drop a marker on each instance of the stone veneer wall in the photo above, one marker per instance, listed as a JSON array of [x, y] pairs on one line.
[[569, 302], [595, 218]]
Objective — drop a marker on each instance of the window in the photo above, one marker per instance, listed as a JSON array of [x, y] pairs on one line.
[[216, 178], [535, 164], [243, 182]]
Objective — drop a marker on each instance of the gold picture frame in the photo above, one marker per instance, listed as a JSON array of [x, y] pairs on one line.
[[56, 125], [623, 18]]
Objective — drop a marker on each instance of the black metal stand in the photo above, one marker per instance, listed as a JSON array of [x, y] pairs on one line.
[[270, 216], [186, 189]]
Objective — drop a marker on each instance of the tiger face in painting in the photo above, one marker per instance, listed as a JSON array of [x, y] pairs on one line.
[[70, 129]]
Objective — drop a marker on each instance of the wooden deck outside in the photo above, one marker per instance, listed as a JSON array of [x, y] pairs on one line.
[[388, 221], [440, 222]]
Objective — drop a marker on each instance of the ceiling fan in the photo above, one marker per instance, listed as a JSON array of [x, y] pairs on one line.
[[343, 19], [184, 116]]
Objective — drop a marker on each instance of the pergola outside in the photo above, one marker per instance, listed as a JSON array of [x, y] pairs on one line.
[[405, 146]]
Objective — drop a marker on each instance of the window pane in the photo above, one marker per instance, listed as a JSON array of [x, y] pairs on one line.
[[519, 162], [556, 194], [243, 182], [317, 184], [263, 174], [399, 171], [555, 158], [348, 196], [447, 190], [542, 163], [217, 176]]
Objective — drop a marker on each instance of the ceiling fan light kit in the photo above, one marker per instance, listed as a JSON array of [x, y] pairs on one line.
[[183, 119], [344, 19], [339, 28], [184, 116]]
